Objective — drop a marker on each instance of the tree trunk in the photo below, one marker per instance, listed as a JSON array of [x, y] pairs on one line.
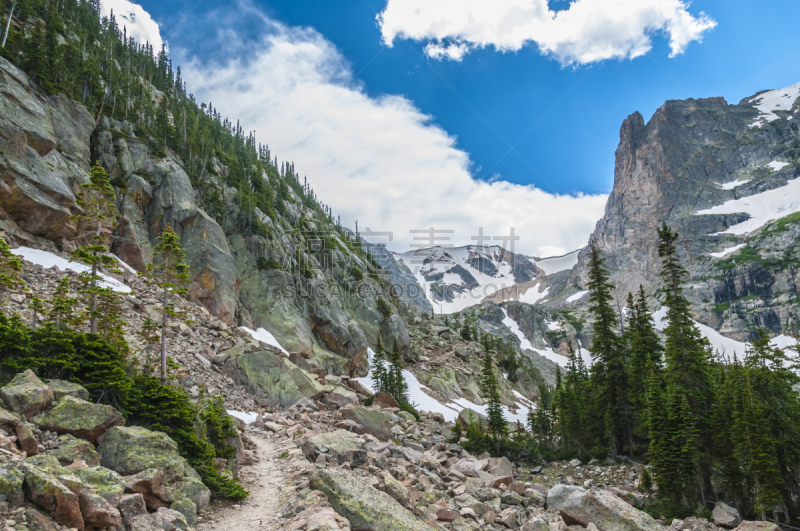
[[93, 320], [164, 338], [8, 24]]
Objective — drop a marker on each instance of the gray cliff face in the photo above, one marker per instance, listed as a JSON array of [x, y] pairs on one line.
[[318, 310], [686, 159]]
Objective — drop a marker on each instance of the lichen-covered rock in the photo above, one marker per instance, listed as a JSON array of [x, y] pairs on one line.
[[26, 394], [341, 397], [47, 491], [71, 449], [167, 517], [606, 511], [11, 478], [193, 489], [282, 382], [26, 439], [104, 482], [342, 446], [367, 508], [558, 494], [150, 484], [8, 419], [97, 511], [371, 421], [80, 418], [62, 388], [467, 416], [757, 526], [132, 508], [130, 450], [187, 508]]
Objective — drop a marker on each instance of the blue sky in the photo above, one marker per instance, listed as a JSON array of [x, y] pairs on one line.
[[518, 117]]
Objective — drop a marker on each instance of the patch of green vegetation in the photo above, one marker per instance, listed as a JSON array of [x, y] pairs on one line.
[[721, 307], [748, 255], [577, 323], [782, 225], [357, 274], [264, 264]]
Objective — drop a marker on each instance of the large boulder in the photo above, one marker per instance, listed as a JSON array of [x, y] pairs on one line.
[[341, 397], [104, 482], [606, 511], [47, 491], [758, 526], [11, 478], [725, 516], [71, 449], [467, 416], [62, 388], [282, 382], [371, 421], [558, 494], [193, 489], [150, 484], [342, 446], [367, 508], [26, 394], [8, 419], [501, 467], [80, 418], [130, 450]]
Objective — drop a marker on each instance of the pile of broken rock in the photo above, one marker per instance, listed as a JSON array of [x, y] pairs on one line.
[[382, 471], [76, 461]]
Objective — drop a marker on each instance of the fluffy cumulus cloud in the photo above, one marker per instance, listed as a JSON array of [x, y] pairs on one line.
[[139, 23], [585, 32], [378, 160]]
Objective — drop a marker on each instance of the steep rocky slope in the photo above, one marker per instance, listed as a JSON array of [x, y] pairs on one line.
[[726, 177]]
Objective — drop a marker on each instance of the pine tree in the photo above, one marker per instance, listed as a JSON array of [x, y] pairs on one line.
[[644, 354], [62, 311], [397, 382], [609, 370], [38, 309], [687, 371], [170, 274], [498, 426], [379, 374], [98, 218], [150, 340], [10, 268]]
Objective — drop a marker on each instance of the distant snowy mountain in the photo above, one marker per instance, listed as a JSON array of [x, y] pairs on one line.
[[455, 278]]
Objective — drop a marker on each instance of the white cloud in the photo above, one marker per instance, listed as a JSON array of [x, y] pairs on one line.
[[586, 32], [139, 23], [375, 159]]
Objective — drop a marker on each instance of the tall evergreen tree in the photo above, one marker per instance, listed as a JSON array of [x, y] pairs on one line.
[[397, 382], [94, 226], [10, 268], [498, 426], [687, 370], [62, 311], [379, 374], [170, 274], [644, 356], [609, 368]]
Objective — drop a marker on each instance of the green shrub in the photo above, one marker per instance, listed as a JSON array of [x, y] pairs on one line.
[[408, 408], [383, 308], [102, 369], [264, 264], [357, 274]]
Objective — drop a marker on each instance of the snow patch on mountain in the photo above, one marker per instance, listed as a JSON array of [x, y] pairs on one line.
[[557, 263], [720, 343], [774, 100], [777, 165], [455, 278], [265, 337], [725, 252], [578, 296], [763, 208], [48, 260], [424, 402]]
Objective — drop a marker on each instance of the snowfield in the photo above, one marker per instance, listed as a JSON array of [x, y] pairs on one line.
[[424, 402], [774, 100], [725, 252], [556, 264], [763, 208], [265, 337], [576, 297], [49, 260], [533, 295], [440, 260]]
